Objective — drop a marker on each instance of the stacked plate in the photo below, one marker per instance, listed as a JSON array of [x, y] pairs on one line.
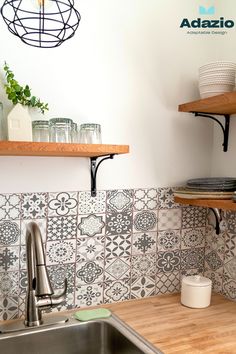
[[222, 184], [216, 78]]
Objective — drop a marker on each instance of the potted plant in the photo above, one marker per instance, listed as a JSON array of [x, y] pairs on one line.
[[19, 120]]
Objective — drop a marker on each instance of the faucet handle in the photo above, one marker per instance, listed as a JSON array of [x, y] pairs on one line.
[[59, 298]]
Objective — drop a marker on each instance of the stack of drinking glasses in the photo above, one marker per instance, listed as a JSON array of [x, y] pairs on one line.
[[64, 130]]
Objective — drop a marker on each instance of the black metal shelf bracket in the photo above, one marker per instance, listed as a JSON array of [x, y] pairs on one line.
[[225, 127], [218, 217], [94, 168]]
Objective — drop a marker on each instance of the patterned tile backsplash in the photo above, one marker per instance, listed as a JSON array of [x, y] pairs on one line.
[[119, 245]]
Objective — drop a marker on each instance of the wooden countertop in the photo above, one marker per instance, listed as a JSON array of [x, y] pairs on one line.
[[174, 328]]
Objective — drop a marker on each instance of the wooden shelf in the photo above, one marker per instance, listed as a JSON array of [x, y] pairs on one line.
[[220, 104], [21, 148], [208, 203]]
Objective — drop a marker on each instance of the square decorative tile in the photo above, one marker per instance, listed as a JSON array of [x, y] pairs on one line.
[[92, 205], [230, 267], [217, 280], [9, 232], [168, 261], [8, 308], [145, 199], [229, 289], [117, 268], [34, 205], [9, 206], [68, 303], [169, 219], [21, 306], [62, 204], [166, 198], [143, 265], [9, 284], [167, 283], [193, 258], [213, 261], [118, 246], [89, 272], [168, 240], [191, 238], [91, 225], [42, 224], [89, 295], [116, 291], [118, 223], [230, 246], [58, 274], [23, 281], [119, 201], [9, 258], [145, 220], [193, 217], [23, 264], [61, 252], [61, 228], [142, 287], [90, 248], [231, 221], [143, 243]]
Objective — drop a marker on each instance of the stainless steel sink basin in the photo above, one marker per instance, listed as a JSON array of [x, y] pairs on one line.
[[108, 336]]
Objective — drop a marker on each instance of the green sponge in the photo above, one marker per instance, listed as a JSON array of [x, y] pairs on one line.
[[87, 315]]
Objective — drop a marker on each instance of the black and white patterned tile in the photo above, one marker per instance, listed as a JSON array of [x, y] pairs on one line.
[[167, 283], [62, 204], [10, 206], [193, 217], [230, 246], [230, 217], [61, 228], [9, 307], [142, 287], [23, 281], [217, 280], [116, 291], [168, 261], [91, 205], [193, 258], [143, 265], [89, 295], [89, 272], [58, 274], [169, 219], [91, 225], [193, 237], [166, 198], [118, 246], [168, 240], [9, 259], [145, 199], [144, 221], [34, 205], [213, 261], [9, 232], [61, 252], [119, 201], [117, 268], [144, 242], [9, 284], [119, 223], [90, 248]]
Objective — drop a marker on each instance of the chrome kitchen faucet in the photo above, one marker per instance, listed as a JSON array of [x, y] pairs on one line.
[[40, 294]]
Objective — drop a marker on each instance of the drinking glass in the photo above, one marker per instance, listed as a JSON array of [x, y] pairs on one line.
[[60, 130], [90, 134], [40, 130]]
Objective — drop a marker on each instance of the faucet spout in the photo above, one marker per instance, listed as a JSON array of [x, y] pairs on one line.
[[40, 294]]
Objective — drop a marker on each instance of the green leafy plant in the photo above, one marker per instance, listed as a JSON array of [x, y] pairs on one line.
[[21, 94]]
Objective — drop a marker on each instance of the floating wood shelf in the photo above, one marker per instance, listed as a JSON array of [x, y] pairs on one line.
[[21, 148], [220, 104], [208, 203]]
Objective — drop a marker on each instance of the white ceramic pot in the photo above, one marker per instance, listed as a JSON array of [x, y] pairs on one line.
[[196, 291], [19, 124]]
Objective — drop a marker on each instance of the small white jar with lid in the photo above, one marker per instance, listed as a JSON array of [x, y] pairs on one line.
[[196, 291]]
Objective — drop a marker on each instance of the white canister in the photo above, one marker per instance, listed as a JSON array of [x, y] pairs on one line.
[[196, 291]]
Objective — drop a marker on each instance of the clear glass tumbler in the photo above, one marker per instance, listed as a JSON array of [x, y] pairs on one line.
[[60, 130], [90, 134], [74, 134], [40, 130]]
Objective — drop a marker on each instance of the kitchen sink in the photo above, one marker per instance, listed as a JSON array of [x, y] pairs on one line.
[[105, 336]]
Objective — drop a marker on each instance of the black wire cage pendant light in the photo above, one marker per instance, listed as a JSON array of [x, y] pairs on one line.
[[41, 23]]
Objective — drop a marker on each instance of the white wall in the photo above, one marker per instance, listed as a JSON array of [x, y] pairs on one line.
[[223, 163], [128, 67]]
